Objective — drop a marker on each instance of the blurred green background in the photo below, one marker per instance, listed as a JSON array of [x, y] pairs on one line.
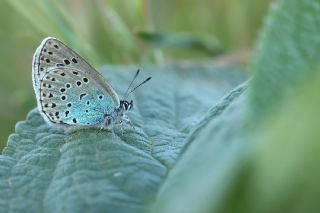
[[117, 32]]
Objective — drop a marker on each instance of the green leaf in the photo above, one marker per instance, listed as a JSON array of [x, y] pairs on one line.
[[288, 51], [209, 165], [282, 174], [232, 167], [43, 170]]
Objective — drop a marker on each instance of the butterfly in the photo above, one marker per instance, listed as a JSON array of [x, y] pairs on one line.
[[71, 93]]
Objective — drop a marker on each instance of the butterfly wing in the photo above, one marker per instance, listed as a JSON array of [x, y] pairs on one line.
[[71, 96], [52, 53], [51, 57]]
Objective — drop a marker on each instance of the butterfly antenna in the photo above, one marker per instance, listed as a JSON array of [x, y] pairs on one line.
[[139, 85], [134, 77]]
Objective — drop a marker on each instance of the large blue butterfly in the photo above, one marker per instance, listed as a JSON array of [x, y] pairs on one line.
[[70, 92]]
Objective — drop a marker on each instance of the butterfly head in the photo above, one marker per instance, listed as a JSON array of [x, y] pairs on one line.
[[118, 115], [126, 105]]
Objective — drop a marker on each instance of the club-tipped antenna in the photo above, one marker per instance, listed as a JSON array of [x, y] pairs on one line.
[[138, 85], [134, 77]]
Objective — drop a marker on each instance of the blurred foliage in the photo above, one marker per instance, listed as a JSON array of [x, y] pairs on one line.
[[206, 45], [106, 32], [283, 169], [287, 53]]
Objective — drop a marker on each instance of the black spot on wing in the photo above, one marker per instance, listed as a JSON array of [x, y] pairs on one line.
[[82, 95]]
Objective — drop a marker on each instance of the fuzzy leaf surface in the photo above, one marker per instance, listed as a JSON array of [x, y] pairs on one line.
[[45, 170]]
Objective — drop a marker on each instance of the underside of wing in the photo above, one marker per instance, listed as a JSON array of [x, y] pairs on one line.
[[70, 96], [53, 54]]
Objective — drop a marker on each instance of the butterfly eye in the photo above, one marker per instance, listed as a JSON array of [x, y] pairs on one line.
[[123, 105], [126, 105]]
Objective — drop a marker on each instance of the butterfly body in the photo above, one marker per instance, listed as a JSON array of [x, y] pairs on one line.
[[70, 92]]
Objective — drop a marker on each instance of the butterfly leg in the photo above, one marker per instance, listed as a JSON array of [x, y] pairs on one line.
[[101, 128], [112, 131], [121, 127], [106, 124], [121, 122], [110, 123], [127, 120]]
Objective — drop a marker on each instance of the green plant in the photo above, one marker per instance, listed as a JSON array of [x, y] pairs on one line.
[[253, 150]]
